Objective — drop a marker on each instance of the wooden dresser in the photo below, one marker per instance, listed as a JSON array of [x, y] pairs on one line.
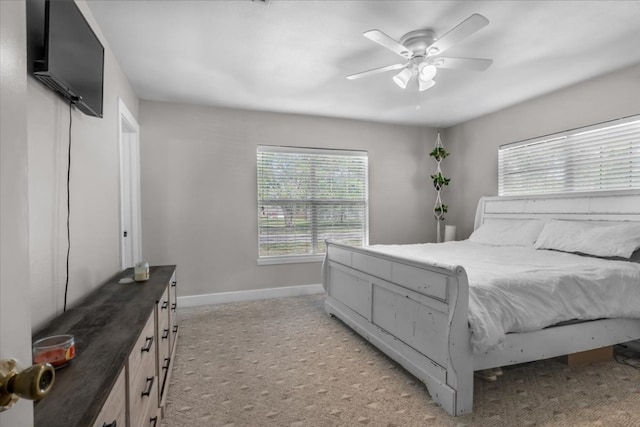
[[125, 336]]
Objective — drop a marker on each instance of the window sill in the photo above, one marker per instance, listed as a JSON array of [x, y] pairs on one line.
[[274, 260]]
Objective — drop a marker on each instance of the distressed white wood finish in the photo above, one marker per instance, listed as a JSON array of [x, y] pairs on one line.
[[416, 312], [558, 341], [604, 206]]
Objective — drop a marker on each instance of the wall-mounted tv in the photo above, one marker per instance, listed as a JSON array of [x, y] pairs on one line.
[[73, 62]]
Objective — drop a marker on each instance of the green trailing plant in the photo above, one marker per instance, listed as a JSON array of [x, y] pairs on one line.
[[439, 153], [439, 181], [440, 210]]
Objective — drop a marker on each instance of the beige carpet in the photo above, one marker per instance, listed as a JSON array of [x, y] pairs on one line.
[[284, 362]]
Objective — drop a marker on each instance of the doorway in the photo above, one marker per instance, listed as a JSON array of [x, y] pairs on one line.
[[130, 223]]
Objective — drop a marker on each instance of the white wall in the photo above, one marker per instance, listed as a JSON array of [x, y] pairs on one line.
[[95, 250], [473, 164], [199, 207]]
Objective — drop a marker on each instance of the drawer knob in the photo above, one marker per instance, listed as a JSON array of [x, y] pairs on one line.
[[175, 329], [153, 421], [147, 348], [112, 424], [165, 304], [167, 362], [165, 334], [173, 284], [173, 306], [147, 392]]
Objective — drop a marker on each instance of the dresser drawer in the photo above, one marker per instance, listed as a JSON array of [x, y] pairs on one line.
[[145, 407], [143, 381], [153, 414], [144, 351], [164, 307], [143, 394], [164, 348], [173, 305], [164, 339], [163, 312], [113, 413]]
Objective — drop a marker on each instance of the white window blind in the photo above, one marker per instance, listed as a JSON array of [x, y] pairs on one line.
[[308, 195], [605, 156]]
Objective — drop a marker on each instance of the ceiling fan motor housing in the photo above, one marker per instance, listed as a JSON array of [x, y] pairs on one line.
[[418, 41]]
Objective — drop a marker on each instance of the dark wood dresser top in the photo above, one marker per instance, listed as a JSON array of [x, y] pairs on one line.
[[105, 325]]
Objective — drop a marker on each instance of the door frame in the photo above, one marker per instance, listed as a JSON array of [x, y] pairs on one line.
[[129, 140], [15, 301]]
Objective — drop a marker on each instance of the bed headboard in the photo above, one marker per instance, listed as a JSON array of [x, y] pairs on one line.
[[601, 206]]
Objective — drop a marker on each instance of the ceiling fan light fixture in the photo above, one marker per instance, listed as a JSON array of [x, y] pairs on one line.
[[402, 78], [427, 71], [433, 51], [424, 85]]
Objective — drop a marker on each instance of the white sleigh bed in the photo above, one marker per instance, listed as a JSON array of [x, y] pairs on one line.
[[417, 312]]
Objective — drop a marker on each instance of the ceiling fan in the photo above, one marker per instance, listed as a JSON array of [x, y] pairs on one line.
[[421, 50]]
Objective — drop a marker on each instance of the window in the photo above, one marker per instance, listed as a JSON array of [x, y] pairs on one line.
[[605, 156], [306, 196]]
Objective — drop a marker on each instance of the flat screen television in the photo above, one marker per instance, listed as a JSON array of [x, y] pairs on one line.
[[73, 62]]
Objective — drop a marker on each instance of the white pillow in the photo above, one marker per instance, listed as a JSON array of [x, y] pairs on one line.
[[508, 232], [596, 238]]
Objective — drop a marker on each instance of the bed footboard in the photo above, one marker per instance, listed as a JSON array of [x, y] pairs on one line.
[[414, 312]]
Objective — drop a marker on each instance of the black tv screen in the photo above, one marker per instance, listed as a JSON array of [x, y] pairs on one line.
[[73, 62]]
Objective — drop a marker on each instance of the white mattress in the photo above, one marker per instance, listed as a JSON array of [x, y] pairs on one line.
[[517, 289]]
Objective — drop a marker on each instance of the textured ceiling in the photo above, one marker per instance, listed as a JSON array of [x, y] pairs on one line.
[[293, 56]]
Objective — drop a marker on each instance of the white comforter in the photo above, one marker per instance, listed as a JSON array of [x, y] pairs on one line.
[[516, 289]]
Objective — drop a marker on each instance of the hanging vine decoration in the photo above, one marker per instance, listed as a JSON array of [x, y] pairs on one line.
[[439, 181]]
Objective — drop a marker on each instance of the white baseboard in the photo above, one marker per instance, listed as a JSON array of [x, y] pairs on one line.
[[257, 294]]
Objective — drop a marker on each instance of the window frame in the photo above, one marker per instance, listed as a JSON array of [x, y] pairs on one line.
[[317, 257]]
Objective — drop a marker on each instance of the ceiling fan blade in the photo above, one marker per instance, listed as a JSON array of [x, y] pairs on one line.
[[384, 40], [376, 71], [474, 64], [463, 30]]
